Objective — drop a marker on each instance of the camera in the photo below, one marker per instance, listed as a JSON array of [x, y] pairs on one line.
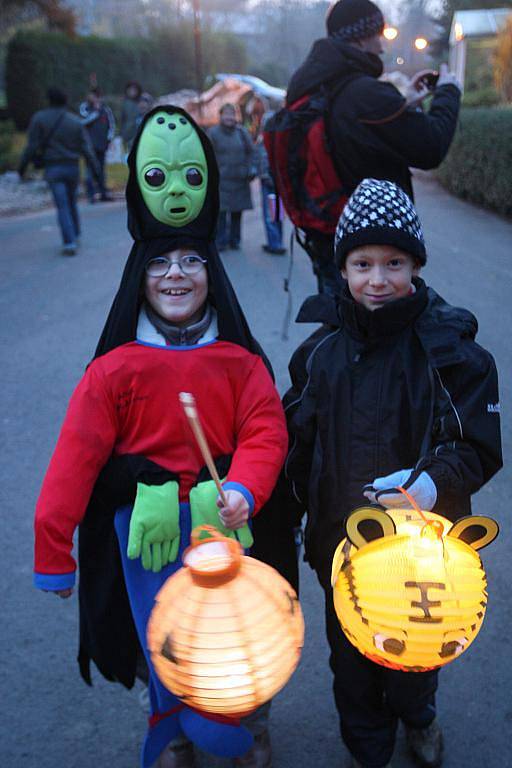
[[430, 80]]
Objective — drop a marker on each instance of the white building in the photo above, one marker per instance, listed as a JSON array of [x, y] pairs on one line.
[[479, 27]]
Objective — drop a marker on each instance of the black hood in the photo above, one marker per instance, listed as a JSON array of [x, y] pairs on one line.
[[152, 238], [328, 62], [141, 223]]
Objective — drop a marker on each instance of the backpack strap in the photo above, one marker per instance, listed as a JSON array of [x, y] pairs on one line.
[[330, 92], [43, 144]]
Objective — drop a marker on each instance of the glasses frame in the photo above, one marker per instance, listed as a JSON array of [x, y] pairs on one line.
[[178, 262]]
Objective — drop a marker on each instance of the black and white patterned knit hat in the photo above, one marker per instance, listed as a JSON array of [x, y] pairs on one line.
[[379, 213], [350, 20]]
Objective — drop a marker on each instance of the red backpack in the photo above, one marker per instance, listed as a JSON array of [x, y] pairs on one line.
[[302, 166]]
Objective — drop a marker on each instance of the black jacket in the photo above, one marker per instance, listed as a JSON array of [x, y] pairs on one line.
[[372, 132], [68, 142], [100, 125], [374, 392]]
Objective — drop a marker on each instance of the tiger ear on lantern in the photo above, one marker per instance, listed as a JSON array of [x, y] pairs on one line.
[[340, 557], [365, 524], [475, 530]]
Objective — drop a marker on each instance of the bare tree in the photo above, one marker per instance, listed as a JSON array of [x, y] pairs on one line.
[[52, 12]]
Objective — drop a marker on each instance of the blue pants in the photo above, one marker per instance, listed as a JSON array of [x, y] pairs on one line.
[[63, 182], [274, 229], [177, 720]]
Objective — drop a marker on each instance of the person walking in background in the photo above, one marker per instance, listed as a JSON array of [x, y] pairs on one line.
[[130, 113], [101, 126], [56, 140], [269, 202], [144, 104], [235, 156], [373, 130]]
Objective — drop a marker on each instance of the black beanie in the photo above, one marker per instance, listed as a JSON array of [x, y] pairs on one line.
[[354, 20], [379, 213]]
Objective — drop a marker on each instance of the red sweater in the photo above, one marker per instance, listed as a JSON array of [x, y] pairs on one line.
[[127, 402]]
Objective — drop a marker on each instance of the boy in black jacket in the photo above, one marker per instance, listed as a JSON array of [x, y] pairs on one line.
[[391, 390]]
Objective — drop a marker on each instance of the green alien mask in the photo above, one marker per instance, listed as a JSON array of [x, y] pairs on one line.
[[171, 169]]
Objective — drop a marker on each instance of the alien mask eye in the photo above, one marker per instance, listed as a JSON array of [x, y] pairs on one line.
[[155, 177], [194, 177]]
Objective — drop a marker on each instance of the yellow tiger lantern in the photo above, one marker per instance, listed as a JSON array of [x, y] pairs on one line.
[[410, 592]]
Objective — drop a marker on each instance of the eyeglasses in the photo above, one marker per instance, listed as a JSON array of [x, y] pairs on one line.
[[189, 264]]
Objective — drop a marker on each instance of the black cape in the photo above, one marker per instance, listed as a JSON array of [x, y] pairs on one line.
[[107, 632]]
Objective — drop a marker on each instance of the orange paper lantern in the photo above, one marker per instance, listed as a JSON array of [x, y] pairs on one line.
[[227, 631], [410, 594]]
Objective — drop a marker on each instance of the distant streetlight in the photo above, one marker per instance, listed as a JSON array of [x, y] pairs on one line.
[[390, 33], [420, 43], [197, 45]]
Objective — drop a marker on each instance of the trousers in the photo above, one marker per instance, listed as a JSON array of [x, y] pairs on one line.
[[229, 235], [320, 249], [63, 182], [371, 699]]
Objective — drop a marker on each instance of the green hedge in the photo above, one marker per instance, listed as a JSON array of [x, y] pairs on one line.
[[162, 64], [6, 145], [479, 164], [483, 97]]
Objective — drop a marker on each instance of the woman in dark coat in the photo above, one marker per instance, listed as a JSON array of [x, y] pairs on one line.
[[234, 152]]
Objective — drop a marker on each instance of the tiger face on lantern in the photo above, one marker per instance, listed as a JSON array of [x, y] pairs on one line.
[[411, 595]]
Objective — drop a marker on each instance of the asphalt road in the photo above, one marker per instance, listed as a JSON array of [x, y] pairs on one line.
[[52, 311]]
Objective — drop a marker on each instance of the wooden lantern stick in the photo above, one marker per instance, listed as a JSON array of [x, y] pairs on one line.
[[188, 402]]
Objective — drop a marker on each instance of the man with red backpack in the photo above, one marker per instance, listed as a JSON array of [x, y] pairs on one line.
[[342, 124]]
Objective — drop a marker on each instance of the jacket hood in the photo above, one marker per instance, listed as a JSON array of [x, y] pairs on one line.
[[331, 60], [172, 165]]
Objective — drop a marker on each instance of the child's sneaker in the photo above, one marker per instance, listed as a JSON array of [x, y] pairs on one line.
[[426, 744], [259, 755], [177, 756]]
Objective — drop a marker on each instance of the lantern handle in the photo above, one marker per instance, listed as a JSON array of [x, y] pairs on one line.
[[412, 501], [195, 536], [188, 403]]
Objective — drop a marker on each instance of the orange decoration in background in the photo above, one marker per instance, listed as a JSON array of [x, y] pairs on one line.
[[227, 630]]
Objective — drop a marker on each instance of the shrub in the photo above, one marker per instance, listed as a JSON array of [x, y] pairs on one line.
[[483, 97], [162, 64], [479, 164], [6, 145]]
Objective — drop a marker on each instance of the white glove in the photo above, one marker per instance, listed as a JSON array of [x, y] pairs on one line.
[[383, 490]]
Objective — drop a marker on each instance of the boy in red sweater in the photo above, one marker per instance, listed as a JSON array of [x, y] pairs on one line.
[[126, 468]]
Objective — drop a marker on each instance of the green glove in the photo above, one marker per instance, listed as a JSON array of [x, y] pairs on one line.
[[204, 511], [155, 525]]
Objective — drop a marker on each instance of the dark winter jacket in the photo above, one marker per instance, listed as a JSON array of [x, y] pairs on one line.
[[129, 117], [235, 157], [372, 132], [100, 125], [375, 392], [67, 143]]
